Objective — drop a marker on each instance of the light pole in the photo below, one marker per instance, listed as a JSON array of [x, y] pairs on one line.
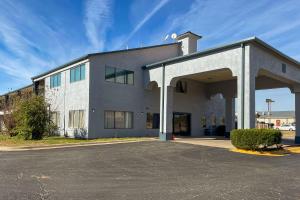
[[269, 102]]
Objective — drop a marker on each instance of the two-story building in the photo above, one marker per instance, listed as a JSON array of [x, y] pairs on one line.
[[165, 89], [7, 101]]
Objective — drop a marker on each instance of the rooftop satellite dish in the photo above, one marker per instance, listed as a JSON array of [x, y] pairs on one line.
[[167, 37], [174, 36]]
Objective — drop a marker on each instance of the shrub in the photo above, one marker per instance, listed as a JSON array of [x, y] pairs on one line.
[[9, 124], [255, 139], [51, 129], [32, 117]]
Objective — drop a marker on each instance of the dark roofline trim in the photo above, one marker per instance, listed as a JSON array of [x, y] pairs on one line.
[[192, 55], [96, 54], [221, 48], [16, 90], [134, 49], [61, 66]]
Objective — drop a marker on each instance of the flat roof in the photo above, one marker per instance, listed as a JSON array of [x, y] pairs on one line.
[[221, 48], [95, 54], [277, 114]]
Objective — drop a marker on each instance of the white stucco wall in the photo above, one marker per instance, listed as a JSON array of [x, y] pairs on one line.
[[195, 102], [95, 95], [263, 59], [121, 97], [69, 96]]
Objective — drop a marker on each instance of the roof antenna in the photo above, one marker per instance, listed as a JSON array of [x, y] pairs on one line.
[[166, 37], [174, 36]]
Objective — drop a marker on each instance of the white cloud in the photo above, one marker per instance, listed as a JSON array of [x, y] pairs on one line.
[[32, 43], [20, 63], [29, 45], [230, 20], [143, 21], [97, 20]]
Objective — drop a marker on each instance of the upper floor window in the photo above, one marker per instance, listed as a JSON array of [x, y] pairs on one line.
[[77, 73], [283, 68], [117, 75], [181, 87], [55, 80]]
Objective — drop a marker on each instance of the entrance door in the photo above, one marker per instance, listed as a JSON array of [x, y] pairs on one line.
[[182, 124]]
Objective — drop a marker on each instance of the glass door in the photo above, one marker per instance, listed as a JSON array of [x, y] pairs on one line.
[[182, 124]]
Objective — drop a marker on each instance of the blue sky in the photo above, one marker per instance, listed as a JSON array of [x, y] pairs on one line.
[[36, 36]]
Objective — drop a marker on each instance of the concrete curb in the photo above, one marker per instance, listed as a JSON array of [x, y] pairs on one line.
[[71, 145]]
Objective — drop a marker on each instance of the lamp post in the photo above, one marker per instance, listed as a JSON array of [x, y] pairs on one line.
[[269, 102]]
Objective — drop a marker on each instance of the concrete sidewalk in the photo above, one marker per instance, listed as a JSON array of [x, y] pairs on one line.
[[216, 141]]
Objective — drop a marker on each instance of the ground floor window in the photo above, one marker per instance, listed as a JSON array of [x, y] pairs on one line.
[[118, 120], [55, 118], [213, 120], [222, 120], [76, 119], [152, 121], [203, 122]]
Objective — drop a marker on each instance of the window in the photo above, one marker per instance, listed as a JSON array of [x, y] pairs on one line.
[[283, 68], [203, 122], [213, 120], [130, 77], [110, 74], [222, 120], [181, 87], [55, 118], [152, 121], [118, 120], [55, 80], [109, 119], [116, 75], [77, 73], [76, 119], [120, 76]]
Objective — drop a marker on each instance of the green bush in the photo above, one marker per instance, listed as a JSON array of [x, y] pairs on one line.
[[51, 129], [32, 118], [255, 139]]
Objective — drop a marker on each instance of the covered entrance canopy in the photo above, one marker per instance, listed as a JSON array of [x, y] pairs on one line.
[[236, 71]]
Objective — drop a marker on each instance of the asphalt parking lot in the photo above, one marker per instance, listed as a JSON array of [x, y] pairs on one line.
[[147, 170]]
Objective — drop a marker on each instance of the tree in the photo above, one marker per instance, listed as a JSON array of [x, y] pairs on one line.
[[32, 117], [7, 105]]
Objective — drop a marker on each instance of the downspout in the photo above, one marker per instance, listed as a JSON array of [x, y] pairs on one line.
[[243, 86], [163, 100], [65, 103]]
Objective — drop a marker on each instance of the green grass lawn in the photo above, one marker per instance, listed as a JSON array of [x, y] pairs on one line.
[[55, 140]]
